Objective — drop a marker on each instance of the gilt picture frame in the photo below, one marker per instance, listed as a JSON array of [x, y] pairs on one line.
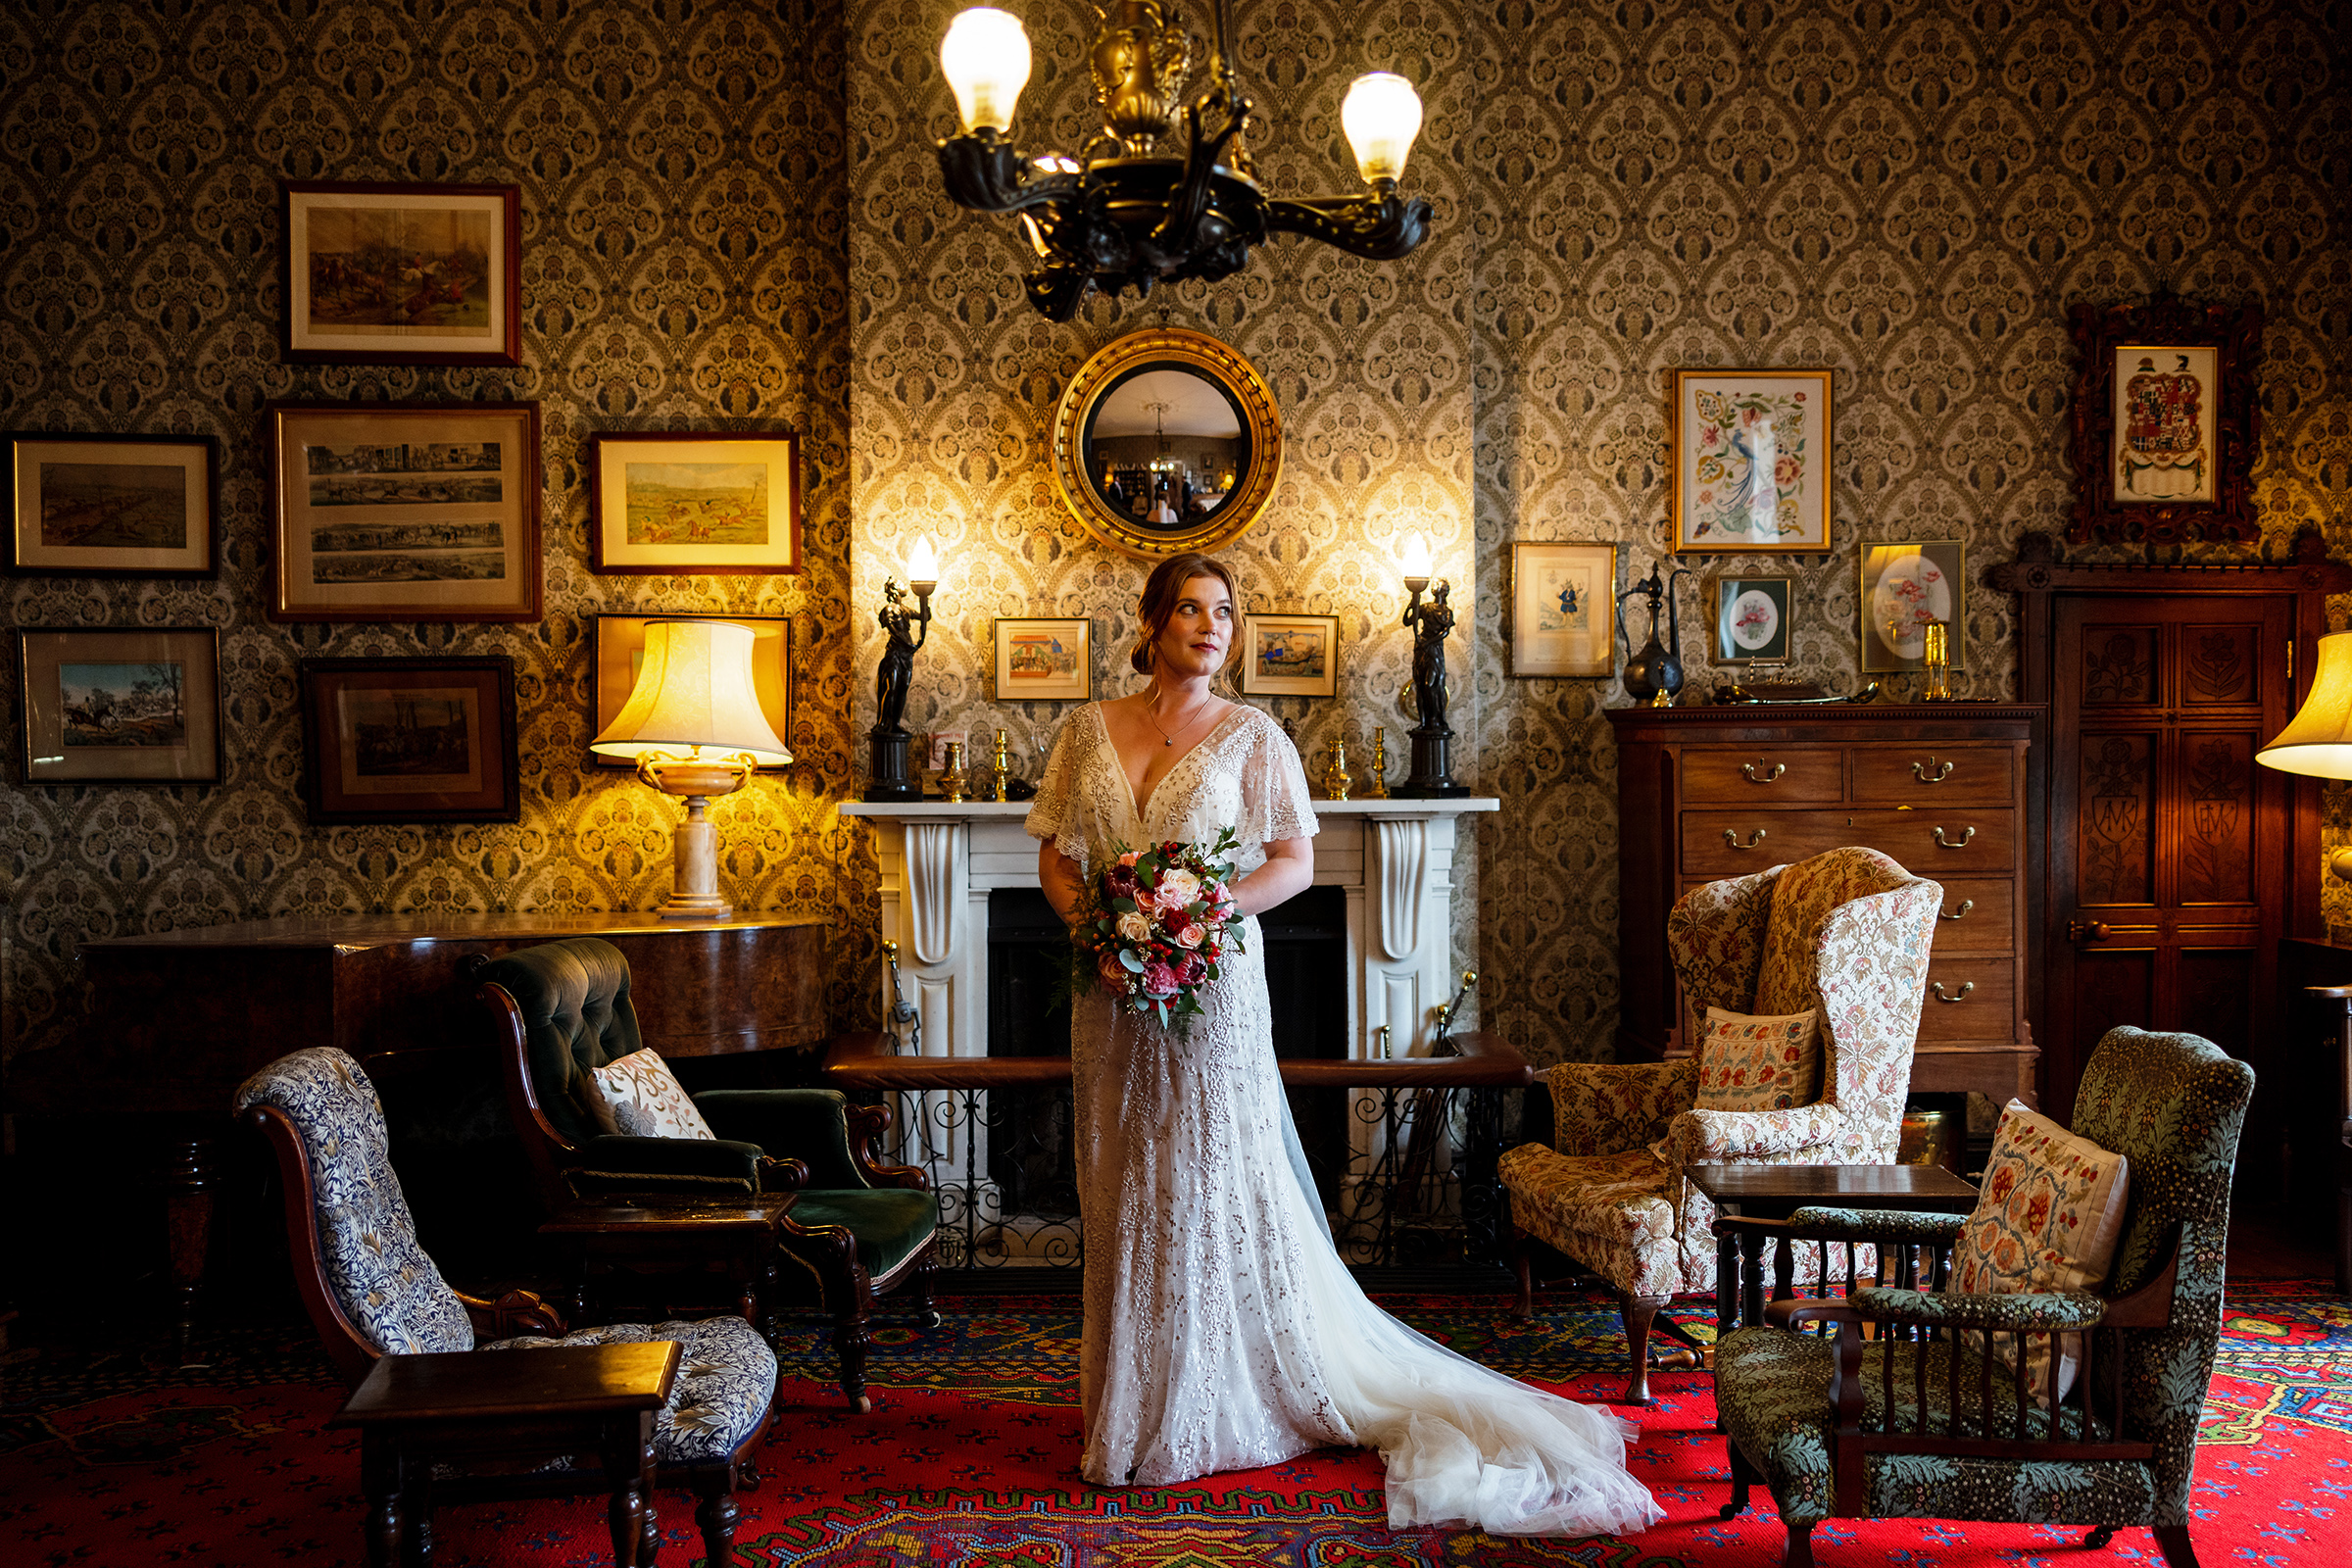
[[409, 740], [1044, 659], [119, 705], [1751, 461], [1561, 607], [86, 505], [376, 273], [1290, 655], [620, 650], [1754, 621], [1905, 586], [679, 502]]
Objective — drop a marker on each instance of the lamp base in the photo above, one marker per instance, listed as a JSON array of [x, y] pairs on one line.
[[682, 906], [890, 768], [694, 869]]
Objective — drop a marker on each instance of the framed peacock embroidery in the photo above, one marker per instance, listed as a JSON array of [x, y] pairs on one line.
[[1752, 461]]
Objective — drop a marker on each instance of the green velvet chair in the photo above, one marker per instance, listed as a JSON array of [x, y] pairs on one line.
[[1917, 1423], [854, 1228]]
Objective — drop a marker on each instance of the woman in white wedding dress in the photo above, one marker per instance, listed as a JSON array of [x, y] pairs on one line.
[[1222, 1331]]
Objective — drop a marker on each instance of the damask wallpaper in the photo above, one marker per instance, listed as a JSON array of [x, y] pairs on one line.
[[733, 219]]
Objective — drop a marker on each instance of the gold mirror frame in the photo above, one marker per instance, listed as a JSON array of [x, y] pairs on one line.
[[1175, 348]]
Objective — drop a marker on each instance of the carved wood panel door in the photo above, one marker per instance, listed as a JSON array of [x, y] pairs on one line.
[[2168, 858]]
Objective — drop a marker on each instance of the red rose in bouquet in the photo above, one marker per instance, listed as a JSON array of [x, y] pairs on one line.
[[1154, 925]]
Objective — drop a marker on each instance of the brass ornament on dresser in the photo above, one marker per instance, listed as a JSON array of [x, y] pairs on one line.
[[1336, 778]]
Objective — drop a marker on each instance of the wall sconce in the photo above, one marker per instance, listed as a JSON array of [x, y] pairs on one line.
[[1432, 774], [889, 773], [2317, 741], [693, 724]]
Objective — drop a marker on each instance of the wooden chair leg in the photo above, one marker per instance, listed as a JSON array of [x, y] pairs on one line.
[[2097, 1540], [1744, 1477], [1638, 1314], [851, 1343], [2173, 1541], [1800, 1551], [717, 1514], [1525, 1268], [918, 1290]]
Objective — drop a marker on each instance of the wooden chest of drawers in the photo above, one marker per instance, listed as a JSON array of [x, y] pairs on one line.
[[1707, 793]]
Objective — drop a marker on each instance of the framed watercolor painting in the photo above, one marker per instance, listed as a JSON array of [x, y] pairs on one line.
[[409, 740], [1905, 588], [107, 705], [1047, 658], [619, 653], [402, 275], [1560, 598], [107, 506], [685, 503], [1290, 655], [2165, 418], [1752, 461], [405, 510], [1751, 620]]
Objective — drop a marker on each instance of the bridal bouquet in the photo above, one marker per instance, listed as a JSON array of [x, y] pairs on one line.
[[1154, 924]]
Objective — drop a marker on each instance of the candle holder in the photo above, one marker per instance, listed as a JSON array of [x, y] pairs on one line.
[[1935, 661], [1376, 786]]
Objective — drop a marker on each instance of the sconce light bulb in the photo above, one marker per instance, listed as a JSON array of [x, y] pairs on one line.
[[985, 57], [923, 567], [1381, 115], [1416, 561]]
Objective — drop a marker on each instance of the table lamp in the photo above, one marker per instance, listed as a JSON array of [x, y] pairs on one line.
[[2318, 740], [694, 727]]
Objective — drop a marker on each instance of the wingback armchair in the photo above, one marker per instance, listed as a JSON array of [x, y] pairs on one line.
[[1917, 1422], [1846, 932], [855, 1227]]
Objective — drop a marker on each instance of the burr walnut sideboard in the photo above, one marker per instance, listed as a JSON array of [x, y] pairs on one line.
[[1708, 793]]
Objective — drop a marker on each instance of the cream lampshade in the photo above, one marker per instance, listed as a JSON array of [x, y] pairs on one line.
[[2318, 740], [694, 727]]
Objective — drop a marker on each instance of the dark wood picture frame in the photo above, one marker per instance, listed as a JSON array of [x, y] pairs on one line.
[[2232, 333], [1724, 643], [616, 635], [56, 726], [297, 528], [340, 755], [607, 456], [30, 490], [410, 290]]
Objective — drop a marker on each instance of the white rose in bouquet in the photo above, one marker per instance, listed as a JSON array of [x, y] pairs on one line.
[[1134, 927]]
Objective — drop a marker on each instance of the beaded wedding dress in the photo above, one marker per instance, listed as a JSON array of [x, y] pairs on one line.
[[1221, 1330]]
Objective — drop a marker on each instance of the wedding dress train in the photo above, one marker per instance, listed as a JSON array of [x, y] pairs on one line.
[[1222, 1331]]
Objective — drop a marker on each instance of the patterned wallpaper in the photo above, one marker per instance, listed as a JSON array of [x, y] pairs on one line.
[[683, 201]]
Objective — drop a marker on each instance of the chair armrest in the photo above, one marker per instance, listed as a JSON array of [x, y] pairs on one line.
[[516, 1312], [1610, 1107], [809, 1125], [2026, 1312], [1744, 1135], [1904, 1227], [617, 1163], [867, 1124], [1799, 1309]]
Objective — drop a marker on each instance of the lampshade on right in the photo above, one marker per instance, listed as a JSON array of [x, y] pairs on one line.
[[2318, 740]]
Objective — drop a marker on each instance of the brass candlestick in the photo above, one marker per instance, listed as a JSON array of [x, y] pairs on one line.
[[999, 770], [1336, 778], [1376, 788]]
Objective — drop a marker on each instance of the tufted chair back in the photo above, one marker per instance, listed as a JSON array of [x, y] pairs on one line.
[[2172, 1105], [577, 1017], [376, 1274]]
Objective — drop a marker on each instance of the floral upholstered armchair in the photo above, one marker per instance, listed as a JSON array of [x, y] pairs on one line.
[[1846, 932]]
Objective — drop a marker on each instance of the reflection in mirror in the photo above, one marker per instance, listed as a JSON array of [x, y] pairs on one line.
[[1166, 447]]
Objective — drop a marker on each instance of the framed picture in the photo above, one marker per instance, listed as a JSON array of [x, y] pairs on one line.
[[1751, 620], [402, 275], [2165, 421], [1561, 609], [108, 704], [1048, 658], [619, 653], [1905, 588], [1290, 655], [409, 740], [113, 505], [405, 510], [1752, 461], [684, 502]]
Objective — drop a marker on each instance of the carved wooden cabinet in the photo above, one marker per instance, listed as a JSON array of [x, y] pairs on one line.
[[1707, 793]]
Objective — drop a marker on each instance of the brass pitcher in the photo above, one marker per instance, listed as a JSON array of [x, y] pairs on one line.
[[1336, 777], [952, 782]]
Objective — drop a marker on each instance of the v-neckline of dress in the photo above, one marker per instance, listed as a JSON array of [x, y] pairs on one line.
[[1136, 808]]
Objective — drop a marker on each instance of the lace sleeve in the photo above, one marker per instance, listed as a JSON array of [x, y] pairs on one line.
[[1056, 813], [1275, 803]]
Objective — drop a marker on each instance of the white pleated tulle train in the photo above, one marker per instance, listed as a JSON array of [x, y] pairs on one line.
[[1221, 1330]]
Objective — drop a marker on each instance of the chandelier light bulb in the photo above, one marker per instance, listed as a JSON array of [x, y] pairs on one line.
[[923, 561], [1382, 115], [1415, 562], [985, 57]]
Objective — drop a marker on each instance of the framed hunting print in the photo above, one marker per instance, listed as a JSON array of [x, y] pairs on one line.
[[409, 740], [118, 705], [402, 275], [683, 503], [108, 505]]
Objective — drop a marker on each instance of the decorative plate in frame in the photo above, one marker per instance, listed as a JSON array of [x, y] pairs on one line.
[[1561, 607], [1752, 461], [109, 506], [409, 740], [117, 704], [694, 502], [1753, 620], [1044, 659], [619, 652], [2165, 421], [1290, 655], [402, 275], [1905, 588]]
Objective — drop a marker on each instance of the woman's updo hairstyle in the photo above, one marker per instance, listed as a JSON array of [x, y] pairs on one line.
[[1163, 589]]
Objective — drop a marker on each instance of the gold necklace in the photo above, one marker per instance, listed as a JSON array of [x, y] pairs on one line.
[[1167, 739]]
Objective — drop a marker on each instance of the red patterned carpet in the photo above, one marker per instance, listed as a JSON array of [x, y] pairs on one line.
[[967, 1459]]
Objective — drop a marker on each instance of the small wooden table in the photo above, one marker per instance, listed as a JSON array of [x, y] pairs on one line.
[[508, 1405], [1774, 1192]]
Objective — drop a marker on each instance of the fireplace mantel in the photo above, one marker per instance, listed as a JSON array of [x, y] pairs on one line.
[[1394, 857]]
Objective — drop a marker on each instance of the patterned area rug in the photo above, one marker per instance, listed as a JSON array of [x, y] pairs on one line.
[[968, 1459]]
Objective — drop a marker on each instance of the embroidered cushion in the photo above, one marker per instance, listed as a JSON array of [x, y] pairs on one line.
[[638, 1095], [2047, 1219], [1759, 1063]]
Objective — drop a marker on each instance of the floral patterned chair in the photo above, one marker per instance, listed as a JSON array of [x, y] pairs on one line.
[[1917, 1423], [372, 1291], [1846, 932]]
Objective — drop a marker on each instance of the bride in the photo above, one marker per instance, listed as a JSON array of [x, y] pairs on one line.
[[1222, 1330]]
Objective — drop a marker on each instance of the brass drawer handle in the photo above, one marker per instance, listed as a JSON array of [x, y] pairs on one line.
[[1748, 770], [1919, 770], [1966, 834], [1966, 985], [1966, 905], [1733, 839]]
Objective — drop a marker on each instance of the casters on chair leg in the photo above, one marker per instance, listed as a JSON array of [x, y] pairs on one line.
[[2098, 1538]]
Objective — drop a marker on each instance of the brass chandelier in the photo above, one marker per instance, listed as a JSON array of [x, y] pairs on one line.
[[1128, 218]]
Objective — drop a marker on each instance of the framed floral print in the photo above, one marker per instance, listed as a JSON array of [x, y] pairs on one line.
[[690, 503], [402, 275], [1044, 658], [1561, 604], [1290, 655], [108, 505], [1905, 589], [405, 510], [118, 705], [619, 653], [409, 740], [1752, 461], [1751, 620], [2165, 421]]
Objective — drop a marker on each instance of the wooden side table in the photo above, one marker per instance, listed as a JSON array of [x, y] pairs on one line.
[[734, 1239], [1774, 1192], [416, 1411]]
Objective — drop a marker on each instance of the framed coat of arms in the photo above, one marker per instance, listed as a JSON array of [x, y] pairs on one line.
[[2165, 421]]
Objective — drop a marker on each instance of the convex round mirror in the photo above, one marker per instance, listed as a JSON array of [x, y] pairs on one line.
[[1167, 440]]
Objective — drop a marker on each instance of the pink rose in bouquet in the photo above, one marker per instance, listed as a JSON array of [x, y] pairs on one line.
[[1154, 925]]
